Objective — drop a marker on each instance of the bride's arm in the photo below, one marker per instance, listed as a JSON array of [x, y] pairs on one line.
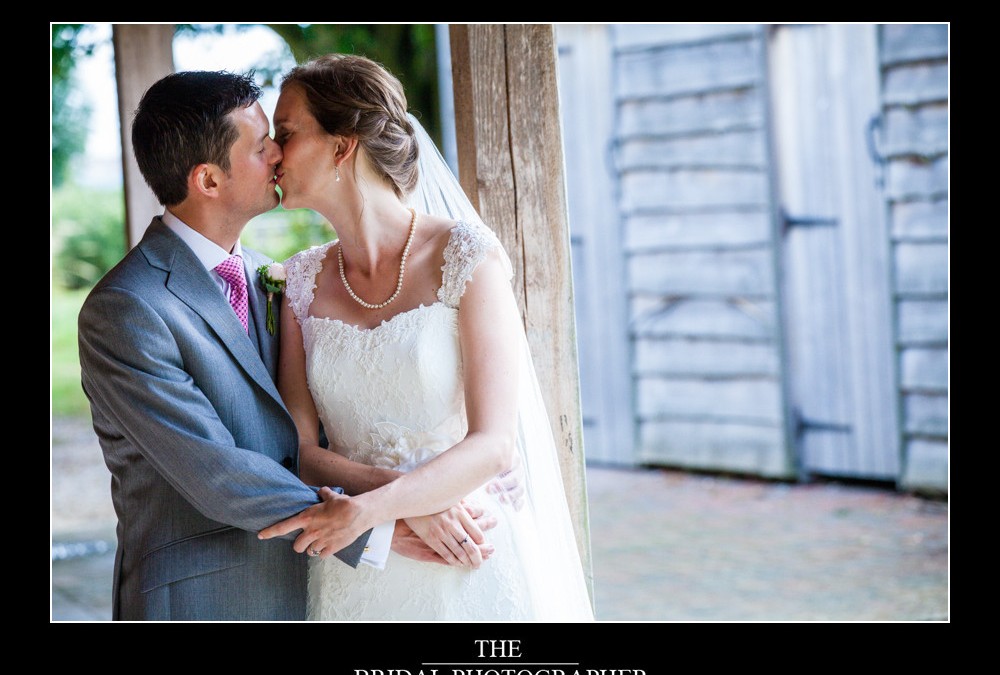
[[317, 466], [488, 321]]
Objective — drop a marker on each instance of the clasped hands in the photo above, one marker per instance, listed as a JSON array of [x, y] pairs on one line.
[[455, 536]]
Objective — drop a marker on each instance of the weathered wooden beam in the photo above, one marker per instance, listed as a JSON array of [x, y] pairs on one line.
[[143, 54], [511, 165]]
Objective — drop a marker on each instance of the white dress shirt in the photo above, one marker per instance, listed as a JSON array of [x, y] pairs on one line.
[[207, 251], [211, 254]]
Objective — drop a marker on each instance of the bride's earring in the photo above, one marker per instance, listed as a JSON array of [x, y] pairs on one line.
[[336, 170]]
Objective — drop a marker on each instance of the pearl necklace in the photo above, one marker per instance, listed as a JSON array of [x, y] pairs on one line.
[[402, 269]]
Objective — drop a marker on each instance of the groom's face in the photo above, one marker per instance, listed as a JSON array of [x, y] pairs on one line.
[[249, 186]]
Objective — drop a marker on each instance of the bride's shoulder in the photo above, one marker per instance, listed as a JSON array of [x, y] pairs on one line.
[[308, 256], [470, 240], [301, 268], [469, 245], [436, 228], [300, 276]]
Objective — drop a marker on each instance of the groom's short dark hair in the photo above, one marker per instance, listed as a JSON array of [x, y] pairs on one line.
[[182, 121]]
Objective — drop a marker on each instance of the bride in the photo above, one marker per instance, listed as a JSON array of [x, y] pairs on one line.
[[402, 341]]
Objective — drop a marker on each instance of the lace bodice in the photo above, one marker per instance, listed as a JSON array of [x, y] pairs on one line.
[[386, 392], [468, 245]]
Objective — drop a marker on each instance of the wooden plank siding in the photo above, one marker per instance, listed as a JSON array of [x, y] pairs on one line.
[[914, 149], [695, 204]]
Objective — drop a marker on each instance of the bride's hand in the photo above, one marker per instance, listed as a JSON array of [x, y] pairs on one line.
[[456, 534], [405, 542]]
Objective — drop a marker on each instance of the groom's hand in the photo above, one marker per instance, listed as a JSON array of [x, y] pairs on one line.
[[327, 527], [439, 538]]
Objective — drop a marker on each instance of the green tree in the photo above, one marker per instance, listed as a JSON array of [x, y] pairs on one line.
[[70, 113], [87, 233], [408, 51]]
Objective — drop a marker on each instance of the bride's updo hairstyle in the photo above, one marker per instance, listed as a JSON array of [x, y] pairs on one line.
[[354, 96]]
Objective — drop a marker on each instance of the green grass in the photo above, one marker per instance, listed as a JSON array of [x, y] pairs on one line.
[[67, 395]]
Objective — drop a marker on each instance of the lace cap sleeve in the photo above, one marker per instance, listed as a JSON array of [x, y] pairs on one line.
[[467, 247], [300, 278]]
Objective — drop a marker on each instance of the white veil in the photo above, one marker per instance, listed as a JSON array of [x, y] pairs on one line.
[[545, 536]]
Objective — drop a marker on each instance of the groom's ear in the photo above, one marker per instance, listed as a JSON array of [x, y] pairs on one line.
[[202, 179]]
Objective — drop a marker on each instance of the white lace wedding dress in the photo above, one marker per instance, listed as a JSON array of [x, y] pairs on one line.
[[392, 396]]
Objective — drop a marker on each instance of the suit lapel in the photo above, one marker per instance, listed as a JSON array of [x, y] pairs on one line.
[[188, 279]]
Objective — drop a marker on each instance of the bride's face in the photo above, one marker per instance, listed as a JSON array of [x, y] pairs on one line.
[[306, 172]]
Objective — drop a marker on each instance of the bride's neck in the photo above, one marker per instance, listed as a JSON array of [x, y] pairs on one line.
[[373, 233]]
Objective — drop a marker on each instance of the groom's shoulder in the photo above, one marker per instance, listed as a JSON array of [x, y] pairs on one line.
[[130, 283], [139, 277], [132, 272], [151, 257]]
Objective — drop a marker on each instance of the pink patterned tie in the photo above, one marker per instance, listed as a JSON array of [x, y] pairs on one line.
[[231, 269]]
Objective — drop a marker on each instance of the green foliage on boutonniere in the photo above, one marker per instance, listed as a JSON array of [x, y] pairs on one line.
[[272, 280]]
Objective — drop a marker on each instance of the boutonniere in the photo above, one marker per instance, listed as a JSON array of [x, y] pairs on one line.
[[272, 280]]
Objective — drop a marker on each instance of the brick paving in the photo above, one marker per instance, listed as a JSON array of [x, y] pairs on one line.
[[666, 545], [672, 546]]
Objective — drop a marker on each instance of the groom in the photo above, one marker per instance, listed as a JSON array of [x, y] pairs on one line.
[[180, 369]]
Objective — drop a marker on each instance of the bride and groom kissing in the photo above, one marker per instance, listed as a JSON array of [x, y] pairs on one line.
[[398, 341]]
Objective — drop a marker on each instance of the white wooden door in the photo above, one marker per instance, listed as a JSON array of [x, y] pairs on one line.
[[834, 262], [587, 105]]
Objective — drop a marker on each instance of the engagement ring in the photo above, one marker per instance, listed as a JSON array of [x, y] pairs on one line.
[[464, 541], [313, 552]]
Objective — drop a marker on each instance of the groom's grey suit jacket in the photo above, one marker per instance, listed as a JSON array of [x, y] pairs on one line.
[[202, 451]]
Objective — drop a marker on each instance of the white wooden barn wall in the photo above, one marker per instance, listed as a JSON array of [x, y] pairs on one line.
[[696, 211], [914, 146], [690, 150], [599, 279]]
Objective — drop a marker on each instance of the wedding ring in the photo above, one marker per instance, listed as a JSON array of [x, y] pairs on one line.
[[313, 552]]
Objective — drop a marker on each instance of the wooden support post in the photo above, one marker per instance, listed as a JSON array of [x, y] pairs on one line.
[[510, 158], [143, 54]]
